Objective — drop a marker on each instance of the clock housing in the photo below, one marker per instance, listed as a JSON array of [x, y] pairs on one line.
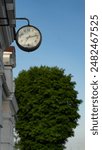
[[28, 38]]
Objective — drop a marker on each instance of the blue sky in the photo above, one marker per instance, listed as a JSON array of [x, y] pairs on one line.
[[61, 23]]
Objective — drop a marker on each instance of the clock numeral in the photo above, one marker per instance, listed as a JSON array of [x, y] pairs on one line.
[[28, 29], [21, 34]]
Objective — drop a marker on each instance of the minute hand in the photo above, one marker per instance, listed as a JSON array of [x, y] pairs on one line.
[[32, 36]]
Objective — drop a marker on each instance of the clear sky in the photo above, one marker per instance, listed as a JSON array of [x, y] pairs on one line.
[[61, 23]]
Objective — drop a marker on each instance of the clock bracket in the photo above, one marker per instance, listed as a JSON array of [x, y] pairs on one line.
[[5, 21]]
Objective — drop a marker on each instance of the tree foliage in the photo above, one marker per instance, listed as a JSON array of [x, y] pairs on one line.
[[48, 108]]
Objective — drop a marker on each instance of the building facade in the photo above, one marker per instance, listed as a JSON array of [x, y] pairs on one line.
[[8, 103]]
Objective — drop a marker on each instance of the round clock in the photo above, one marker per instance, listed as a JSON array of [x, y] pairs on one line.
[[28, 38]]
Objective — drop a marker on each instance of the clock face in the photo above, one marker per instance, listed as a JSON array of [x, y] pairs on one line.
[[28, 38]]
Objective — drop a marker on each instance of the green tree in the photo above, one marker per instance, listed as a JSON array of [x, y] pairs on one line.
[[48, 108]]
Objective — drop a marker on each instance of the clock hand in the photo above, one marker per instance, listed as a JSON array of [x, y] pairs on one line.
[[30, 36]]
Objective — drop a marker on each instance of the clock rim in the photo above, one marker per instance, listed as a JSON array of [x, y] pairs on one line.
[[26, 48]]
